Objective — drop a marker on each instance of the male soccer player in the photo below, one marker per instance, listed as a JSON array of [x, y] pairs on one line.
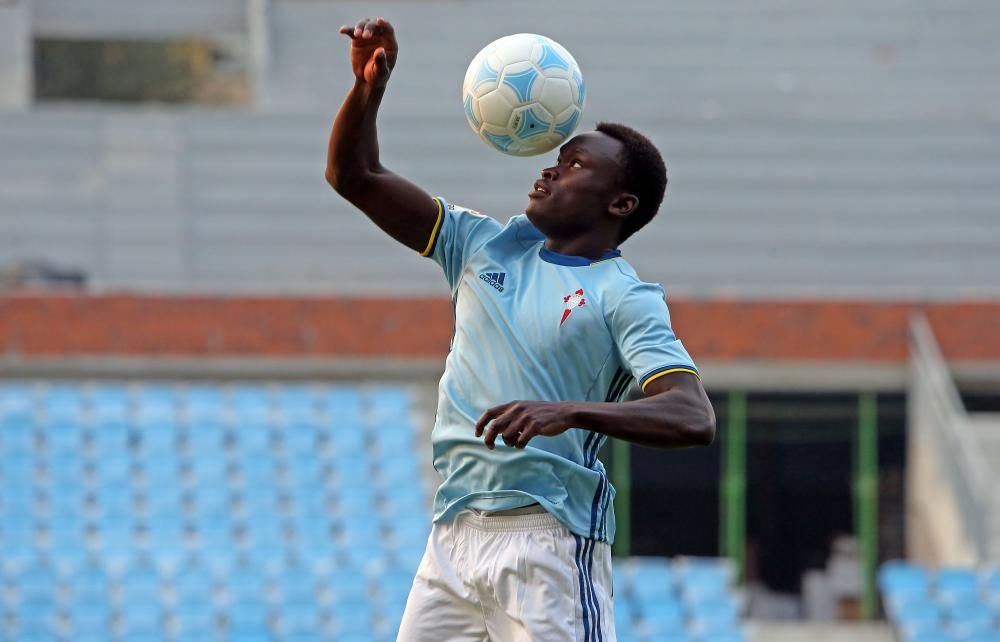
[[551, 327]]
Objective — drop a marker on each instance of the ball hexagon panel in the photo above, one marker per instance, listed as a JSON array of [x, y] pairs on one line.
[[495, 107], [556, 95], [520, 77], [481, 73], [529, 121], [566, 122], [578, 83], [472, 112], [497, 137], [515, 48], [550, 56]]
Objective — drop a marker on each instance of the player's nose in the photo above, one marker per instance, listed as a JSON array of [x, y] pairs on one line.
[[550, 174]]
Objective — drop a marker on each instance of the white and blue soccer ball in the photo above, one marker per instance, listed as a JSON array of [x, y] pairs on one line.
[[523, 94]]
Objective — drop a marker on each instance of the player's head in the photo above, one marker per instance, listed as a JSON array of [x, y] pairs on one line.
[[609, 181]]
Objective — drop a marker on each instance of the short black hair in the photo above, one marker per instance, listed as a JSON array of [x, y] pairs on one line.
[[643, 173]]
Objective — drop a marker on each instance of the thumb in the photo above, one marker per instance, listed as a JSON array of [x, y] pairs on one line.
[[381, 62]]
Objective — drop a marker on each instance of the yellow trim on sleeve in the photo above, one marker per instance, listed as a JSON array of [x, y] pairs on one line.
[[437, 228], [666, 372]]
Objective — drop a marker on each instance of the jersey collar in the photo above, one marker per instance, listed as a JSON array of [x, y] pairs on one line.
[[549, 256]]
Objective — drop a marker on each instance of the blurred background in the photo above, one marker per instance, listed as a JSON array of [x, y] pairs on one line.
[[217, 380]]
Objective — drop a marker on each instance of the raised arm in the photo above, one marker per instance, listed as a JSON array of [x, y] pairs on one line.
[[403, 210]]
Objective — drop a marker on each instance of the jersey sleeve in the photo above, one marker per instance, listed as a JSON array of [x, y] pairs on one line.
[[458, 233], [640, 324]]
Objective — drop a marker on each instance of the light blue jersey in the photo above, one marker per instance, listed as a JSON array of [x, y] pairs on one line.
[[531, 324]]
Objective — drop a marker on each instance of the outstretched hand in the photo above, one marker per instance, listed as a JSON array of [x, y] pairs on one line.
[[517, 422], [373, 50]]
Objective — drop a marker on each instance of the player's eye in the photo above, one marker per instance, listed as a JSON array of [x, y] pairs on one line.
[[576, 163]]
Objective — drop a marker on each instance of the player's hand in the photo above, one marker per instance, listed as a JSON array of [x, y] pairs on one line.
[[517, 422], [373, 50]]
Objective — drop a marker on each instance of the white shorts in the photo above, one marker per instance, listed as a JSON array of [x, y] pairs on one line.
[[509, 578]]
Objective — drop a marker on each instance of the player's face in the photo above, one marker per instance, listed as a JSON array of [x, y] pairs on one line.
[[574, 195]]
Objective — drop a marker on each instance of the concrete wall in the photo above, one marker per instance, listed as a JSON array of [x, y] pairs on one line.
[[848, 150]]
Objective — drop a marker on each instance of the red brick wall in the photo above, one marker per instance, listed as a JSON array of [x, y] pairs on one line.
[[35, 325]]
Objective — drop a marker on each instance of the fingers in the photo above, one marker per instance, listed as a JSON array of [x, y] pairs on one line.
[[489, 416], [513, 431], [360, 27], [367, 29], [386, 28]]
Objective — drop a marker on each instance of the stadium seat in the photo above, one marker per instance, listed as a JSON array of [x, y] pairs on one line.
[[89, 616], [969, 617], [194, 618], [953, 585], [899, 577], [248, 617]]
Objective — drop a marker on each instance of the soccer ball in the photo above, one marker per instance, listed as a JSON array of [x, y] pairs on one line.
[[523, 94]]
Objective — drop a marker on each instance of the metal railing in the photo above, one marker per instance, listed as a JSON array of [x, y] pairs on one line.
[[937, 415]]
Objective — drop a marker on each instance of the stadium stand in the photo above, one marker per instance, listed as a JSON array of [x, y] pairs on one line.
[[140, 512], [950, 604]]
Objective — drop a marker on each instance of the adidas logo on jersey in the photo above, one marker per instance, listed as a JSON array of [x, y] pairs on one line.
[[494, 278]]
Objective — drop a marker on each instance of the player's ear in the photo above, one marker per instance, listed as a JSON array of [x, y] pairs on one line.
[[624, 205]]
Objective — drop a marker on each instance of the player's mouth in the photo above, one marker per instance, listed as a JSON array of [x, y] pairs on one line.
[[540, 190]]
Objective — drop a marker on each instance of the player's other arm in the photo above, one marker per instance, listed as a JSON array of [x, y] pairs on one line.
[[675, 413], [403, 210]]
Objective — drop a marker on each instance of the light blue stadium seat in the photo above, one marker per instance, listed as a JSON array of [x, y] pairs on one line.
[[208, 472], [300, 439], [953, 585], [399, 474], [17, 436], [347, 585], [36, 582], [36, 617], [195, 616], [195, 395], [351, 617], [717, 609], [252, 437], [993, 636], [89, 616], [715, 627], [248, 616], [928, 636], [363, 554], [88, 583], [387, 401], [206, 439], [192, 582], [299, 618], [250, 401], [343, 402], [662, 623], [302, 637], [969, 617], [109, 401], [914, 618], [729, 636], [245, 584], [250, 636], [141, 617], [347, 439], [65, 437], [902, 577], [140, 583]]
